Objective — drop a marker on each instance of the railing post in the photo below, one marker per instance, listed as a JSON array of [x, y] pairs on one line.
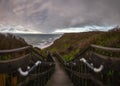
[[2, 79], [14, 81]]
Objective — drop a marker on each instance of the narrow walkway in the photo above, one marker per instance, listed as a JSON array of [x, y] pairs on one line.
[[59, 77]]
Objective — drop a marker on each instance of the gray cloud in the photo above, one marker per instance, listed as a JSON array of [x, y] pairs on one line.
[[47, 15]]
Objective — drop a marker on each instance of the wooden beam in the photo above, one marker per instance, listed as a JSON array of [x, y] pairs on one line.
[[105, 48], [14, 50], [8, 66]]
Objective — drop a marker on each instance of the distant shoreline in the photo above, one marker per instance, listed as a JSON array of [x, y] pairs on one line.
[[41, 41]]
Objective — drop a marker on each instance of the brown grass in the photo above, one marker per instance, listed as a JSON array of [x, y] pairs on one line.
[[70, 44], [9, 41]]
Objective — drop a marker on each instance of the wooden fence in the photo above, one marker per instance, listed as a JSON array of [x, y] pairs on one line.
[[94, 67], [38, 75]]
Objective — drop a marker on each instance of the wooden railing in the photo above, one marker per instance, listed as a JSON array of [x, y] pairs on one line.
[[14, 50], [91, 68], [11, 70], [106, 48]]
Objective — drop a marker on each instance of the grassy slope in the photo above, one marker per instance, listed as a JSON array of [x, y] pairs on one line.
[[70, 44], [9, 41]]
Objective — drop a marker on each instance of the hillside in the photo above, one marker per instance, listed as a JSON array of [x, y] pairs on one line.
[[9, 41], [70, 44]]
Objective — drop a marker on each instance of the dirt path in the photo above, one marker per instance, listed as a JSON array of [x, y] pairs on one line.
[[59, 77]]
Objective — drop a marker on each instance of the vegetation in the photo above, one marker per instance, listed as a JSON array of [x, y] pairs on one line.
[[9, 41], [70, 44]]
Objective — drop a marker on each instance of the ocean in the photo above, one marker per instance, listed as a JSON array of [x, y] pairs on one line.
[[40, 40]]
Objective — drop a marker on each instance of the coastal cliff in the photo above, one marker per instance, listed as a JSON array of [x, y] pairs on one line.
[[70, 44]]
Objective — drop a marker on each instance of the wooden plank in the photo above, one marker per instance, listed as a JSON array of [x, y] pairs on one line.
[[60, 58], [80, 75], [111, 62], [82, 52], [8, 66], [15, 50], [106, 48], [40, 56], [34, 76], [2, 80], [14, 81], [86, 76]]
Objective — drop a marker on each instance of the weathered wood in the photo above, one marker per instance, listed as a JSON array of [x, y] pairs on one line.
[[59, 77], [111, 62], [105, 48], [105, 57], [37, 54], [34, 76], [12, 65], [80, 75], [86, 76], [8, 66], [15, 50], [2, 80], [59, 57], [83, 51], [14, 81]]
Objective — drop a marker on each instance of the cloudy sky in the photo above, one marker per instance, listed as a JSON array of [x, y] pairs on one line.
[[48, 16]]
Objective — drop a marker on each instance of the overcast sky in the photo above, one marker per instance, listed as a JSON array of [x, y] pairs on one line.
[[49, 15]]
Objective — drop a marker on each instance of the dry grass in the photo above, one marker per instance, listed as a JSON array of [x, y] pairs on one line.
[[70, 44], [9, 41]]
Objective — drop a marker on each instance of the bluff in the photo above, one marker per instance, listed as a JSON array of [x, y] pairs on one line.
[[70, 44]]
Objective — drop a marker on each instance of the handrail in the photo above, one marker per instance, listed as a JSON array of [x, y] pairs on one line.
[[25, 73], [86, 76], [102, 63], [106, 57], [12, 64], [34, 76], [105, 48], [14, 50], [37, 53], [60, 58], [91, 65], [81, 53], [81, 75], [110, 62], [16, 63]]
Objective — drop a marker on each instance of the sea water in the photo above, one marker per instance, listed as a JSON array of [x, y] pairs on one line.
[[40, 40]]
